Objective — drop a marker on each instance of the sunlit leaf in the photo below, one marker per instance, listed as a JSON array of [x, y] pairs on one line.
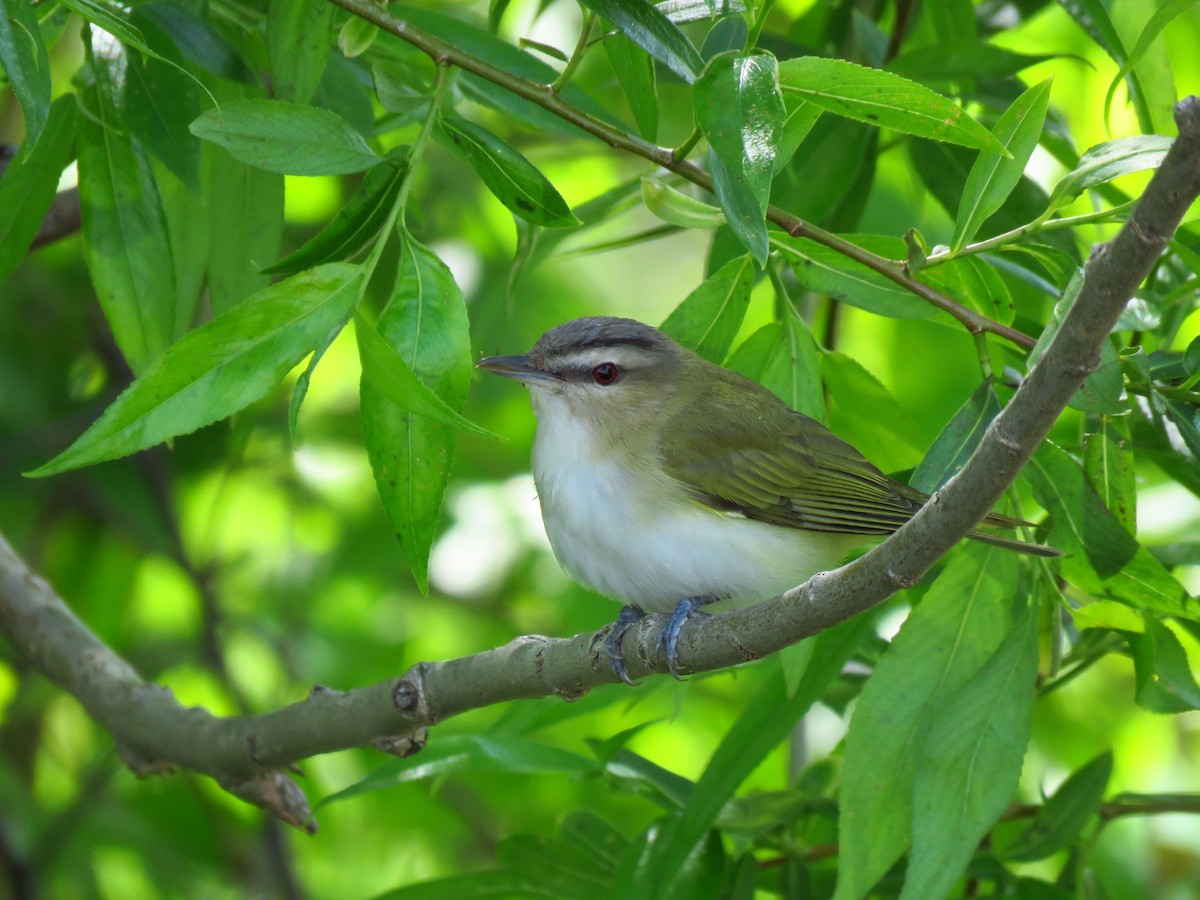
[[677, 208], [1107, 161], [221, 367], [971, 763], [881, 98], [288, 138], [708, 319], [354, 226], [783, 357], [1100, 556], [1108, 464], [927, 664], [425, 323], [993, 176]]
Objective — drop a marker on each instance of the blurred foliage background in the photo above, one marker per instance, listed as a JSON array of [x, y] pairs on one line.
[[239, 571]]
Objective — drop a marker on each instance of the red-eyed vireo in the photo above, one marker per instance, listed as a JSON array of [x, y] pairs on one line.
[[670, 482]]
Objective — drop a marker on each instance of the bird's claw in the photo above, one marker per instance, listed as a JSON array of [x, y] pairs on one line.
[[668, 639], [629, 616]]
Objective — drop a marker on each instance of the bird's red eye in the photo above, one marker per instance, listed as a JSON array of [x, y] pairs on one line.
[[605, 374]]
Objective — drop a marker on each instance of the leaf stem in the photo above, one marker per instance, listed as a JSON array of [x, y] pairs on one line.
[[680, 153], [581, 47], [541, 94], [414, 155]]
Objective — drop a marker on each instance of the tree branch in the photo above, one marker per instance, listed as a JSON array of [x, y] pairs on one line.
[[549, 99]]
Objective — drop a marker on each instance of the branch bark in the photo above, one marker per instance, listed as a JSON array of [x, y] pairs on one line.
[[247, 753]]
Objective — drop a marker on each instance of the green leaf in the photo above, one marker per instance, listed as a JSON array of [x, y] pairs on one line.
[[124, 229], [161, 99], [971, 763], [801, 117], [355, 225], [300, 391], [288, 138], [1165, 681], [676, 208], [1102, 391], [1163, 15], [709, 318], [470, 754], [962, 60], [635, 72], [740, 111], [491, 885], [825, 271], [766, 720], [26, 64], [597, 836], [883, 99], [108, 20], [558, 868], [943, 643], [784, 358], [219, 368], [299, 34], [958, 440], [425, 323], [1062, 817], [1108, 464], [1101, 557], [993, 176], [29, 183], [683, 11], [244, 229], [974, 283], [513, 179], [647, 27], [863, 412], [1107, 161], [388, 374]]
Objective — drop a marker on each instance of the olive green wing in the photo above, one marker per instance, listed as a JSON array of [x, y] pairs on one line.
[[776, 465]]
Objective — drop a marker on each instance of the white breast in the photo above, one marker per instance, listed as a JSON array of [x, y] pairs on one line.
[[637, 540]]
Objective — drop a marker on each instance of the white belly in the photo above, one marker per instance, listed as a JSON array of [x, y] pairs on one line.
[[631, 540]]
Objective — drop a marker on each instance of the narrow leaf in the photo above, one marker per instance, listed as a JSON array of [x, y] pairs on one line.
[[220, 367], [125, 231], [388, 374], [683, 11], [29, 183], [299, 35], [647, 27], [962, 60], [677, 208], [762, 725], [1165, 13], [971, 763], [1101, 557], [1064, 815], [288, 138], [883, 99], [801, 117], [245, 228], [825, 271], [958, 440], [635, 72], [1165, 681], [1108, 464], [740, 111], [425, 324], [512, 178], [26, 64], [993, 176], [943, 643], [1107, 161], [708, 320], [354, 226], [783, 357]]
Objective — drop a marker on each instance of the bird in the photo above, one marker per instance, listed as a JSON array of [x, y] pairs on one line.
[[671, 483]]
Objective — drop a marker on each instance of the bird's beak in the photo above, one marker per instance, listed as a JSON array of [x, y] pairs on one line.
[[518, 367]]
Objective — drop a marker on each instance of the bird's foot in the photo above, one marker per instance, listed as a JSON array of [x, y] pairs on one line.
[[629, 616], [668, 640]]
